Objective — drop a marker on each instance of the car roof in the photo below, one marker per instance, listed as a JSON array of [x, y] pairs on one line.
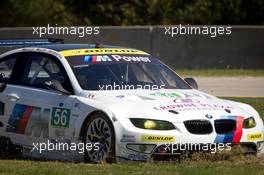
[[56, 47], [71, 49], [64, 47], [90, 49]]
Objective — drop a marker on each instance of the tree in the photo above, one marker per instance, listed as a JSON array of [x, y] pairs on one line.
[[130, 12]]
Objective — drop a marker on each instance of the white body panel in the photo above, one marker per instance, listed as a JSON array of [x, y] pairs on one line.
[[119, 106]]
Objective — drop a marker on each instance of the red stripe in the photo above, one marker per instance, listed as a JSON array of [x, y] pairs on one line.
[[24, 120], [94, 58], [239, 130]]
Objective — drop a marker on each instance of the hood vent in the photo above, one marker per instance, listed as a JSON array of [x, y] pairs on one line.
[[174, 112]]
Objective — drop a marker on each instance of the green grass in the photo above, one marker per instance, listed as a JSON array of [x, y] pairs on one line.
[[199, 164], [220, 72], [23, 167], [257, 103]]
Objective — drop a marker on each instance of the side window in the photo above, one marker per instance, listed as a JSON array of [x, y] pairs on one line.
[[41, 69], [6, 69]]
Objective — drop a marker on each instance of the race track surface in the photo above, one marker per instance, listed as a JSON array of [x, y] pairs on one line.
[[232, 86]]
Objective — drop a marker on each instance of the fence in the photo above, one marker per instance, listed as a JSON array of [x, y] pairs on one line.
[[243, 48]]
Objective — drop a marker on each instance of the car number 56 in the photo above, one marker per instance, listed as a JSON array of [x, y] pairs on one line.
[[60, 117]]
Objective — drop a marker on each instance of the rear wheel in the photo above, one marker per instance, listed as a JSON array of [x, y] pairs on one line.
[[99, 130]]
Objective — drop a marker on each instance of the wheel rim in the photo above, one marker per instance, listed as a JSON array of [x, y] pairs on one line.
[[99, 131]]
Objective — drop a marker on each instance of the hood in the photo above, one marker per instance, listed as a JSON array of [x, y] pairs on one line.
[[166, 104]]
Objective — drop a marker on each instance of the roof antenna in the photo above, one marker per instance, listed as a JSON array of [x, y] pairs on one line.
[[98, 45]]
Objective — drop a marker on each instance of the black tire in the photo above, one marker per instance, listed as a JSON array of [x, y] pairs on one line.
[[99, 129], [8, 150]]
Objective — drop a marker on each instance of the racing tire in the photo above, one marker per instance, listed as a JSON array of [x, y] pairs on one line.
[[99, 130]]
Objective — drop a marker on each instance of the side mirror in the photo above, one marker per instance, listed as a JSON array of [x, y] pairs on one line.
[[191, 82], [57, 86]]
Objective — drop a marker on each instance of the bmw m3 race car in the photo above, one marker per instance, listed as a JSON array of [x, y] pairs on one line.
[[96, 103]]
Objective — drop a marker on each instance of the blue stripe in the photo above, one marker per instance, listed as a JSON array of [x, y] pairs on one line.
[[225, 138], [219, 138], [228, 137], [88, 58], [18, 112]]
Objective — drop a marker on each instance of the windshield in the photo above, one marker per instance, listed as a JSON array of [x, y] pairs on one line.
[[105, 74]]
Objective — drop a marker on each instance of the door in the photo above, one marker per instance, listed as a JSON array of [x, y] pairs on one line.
[[37, 113]]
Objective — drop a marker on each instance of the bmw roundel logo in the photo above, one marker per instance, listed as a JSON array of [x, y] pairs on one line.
[[208, 116]]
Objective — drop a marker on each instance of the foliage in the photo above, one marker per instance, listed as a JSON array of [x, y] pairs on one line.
[[128, 12]]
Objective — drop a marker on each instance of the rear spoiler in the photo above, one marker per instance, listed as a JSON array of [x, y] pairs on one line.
[[29, 42]]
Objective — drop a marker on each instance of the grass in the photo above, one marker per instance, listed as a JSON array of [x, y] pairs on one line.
[[220, 72], [25, 167], [256, 103], [205, 164]]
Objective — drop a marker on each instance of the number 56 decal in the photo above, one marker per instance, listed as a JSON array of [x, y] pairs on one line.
[[60, 117]]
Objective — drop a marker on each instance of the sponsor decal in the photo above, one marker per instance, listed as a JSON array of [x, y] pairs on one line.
[[128, 138], [137, 157], [120, 96], [77, 105], [96, 58], [153, 138], [116, 58], [232, 137], [165, 94], [194, 95], [19, 118], [60, 117], [91, 96], [24, 119], [87, 59], [186, 100], [101, 51], [254, 137], [130, 58], [180, 95], [192, 106]]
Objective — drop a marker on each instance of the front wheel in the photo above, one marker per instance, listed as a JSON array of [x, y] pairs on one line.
[[100, 132]]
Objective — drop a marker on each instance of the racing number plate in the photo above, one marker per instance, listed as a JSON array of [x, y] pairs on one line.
[[60, 117]]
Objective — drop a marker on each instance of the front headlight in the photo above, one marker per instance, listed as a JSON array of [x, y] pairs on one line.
[[249, 123], [152, 124]]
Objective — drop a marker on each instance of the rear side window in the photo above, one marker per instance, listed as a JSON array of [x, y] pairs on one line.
[[6, 69]]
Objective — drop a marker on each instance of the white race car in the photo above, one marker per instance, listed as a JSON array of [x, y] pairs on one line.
[[97, 103]]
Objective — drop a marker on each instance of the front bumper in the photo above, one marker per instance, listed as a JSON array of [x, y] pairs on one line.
[[173, 152], [142, 145]]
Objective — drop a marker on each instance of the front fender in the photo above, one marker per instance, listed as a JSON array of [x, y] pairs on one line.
[[86, 109]]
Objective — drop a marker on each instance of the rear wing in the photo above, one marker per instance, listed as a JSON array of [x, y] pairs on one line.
[[7, 45]]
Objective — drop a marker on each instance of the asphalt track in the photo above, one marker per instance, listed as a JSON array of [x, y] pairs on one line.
[[232, 86]]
